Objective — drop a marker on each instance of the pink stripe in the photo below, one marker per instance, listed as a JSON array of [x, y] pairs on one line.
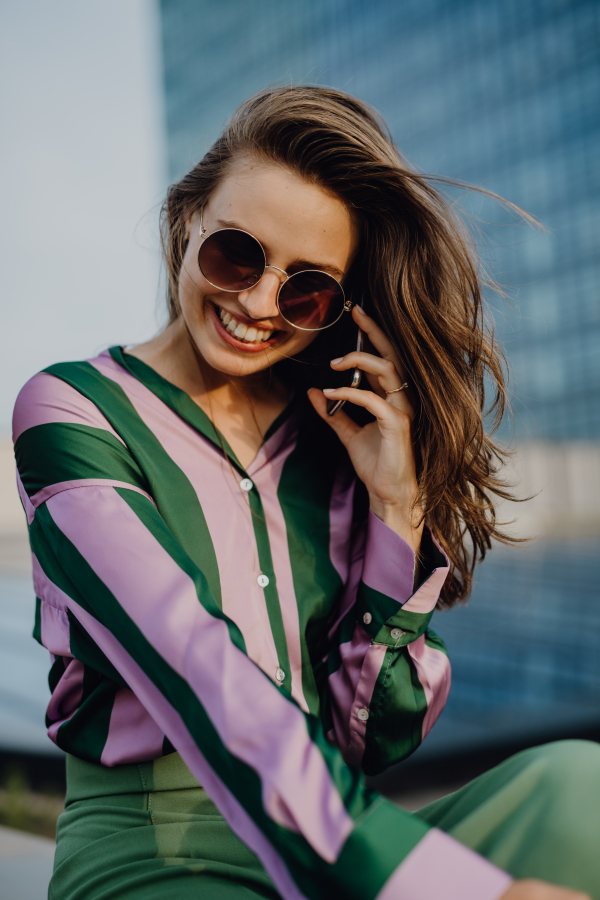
[[351, 585], [340, 521], [389, 565], [55, 630], [343, 684], [133, 735], [47, 591], [267, 479], [66, 697], [61, 486], [225, 507], [29, 510], [55, 625], [286, 434], [440, 867], [425, 599], [46, 399], [435, 674], [374, 659], [254, 720], [171, 723]]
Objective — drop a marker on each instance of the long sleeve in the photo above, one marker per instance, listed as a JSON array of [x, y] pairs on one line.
[[119, 589], [388, 675]]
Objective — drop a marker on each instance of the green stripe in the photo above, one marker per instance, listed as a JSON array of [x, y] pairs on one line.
[[265, 561], [85, 733], [176, 399], [304, 494], [171, 489], [396, 713], [184, 406], [387, 614], [361, 860], [88, 652], [149, 518], [55, 452], [37, 625], [434, 641]]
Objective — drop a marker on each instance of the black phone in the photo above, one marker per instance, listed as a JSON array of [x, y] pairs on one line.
[[334, 405]]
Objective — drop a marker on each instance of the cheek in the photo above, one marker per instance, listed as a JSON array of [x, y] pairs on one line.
[[191, 283]]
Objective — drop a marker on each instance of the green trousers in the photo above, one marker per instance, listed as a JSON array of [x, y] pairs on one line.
[[150, 832]]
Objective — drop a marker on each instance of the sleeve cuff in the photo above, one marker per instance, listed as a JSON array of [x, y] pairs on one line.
[[389, 572], [440, 866], [389, 564]]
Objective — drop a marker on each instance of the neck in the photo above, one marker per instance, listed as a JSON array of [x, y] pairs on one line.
[[175, 356]]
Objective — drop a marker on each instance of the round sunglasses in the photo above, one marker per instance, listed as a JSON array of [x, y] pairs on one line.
[[233, 260]]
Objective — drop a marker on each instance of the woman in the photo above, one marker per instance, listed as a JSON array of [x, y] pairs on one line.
[[236, 586]]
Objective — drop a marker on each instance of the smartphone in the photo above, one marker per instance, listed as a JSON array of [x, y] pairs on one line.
[[334, 405]]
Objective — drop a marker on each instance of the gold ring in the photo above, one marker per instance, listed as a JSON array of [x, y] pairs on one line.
[[395, 391]]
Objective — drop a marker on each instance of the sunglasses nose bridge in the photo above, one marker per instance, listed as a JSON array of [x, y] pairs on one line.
[[281, 271]]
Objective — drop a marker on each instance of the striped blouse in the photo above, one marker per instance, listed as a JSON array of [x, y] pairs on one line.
[[261, 621]]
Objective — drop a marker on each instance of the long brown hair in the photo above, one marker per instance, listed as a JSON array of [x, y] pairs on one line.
[[418, 269]]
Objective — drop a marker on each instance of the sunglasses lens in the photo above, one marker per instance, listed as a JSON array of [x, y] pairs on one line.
[[231, 259], [311, 300]]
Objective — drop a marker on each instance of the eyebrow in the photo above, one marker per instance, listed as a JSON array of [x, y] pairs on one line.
[[305, 263]]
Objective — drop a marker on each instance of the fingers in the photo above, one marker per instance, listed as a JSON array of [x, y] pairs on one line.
[[375, 365], [378, 338], [386, 414], [342, 424], [382, 374]]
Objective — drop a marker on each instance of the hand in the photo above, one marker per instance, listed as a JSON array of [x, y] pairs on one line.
[[532, 889], [381, 452]]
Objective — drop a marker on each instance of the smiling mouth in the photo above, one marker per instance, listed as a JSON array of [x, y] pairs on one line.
[[246, 334]]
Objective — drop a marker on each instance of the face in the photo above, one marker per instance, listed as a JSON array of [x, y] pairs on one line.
[[300, 226]]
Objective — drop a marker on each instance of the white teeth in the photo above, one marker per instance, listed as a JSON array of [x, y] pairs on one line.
[[243, 332]]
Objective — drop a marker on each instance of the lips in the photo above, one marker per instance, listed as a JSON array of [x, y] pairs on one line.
[[245, 333], [227, 332]]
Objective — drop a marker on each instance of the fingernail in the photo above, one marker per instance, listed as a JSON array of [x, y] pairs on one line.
[[334, 362], [329, 390], [361, 310]]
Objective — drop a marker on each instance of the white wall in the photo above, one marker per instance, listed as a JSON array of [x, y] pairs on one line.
[[82, 164]]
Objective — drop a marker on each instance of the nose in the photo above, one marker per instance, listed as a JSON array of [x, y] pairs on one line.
[[260, 302]]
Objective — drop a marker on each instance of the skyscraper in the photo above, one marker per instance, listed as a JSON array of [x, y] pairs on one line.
[[503, 94]]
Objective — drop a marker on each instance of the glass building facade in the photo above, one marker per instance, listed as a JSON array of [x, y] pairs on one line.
[[503, 94]]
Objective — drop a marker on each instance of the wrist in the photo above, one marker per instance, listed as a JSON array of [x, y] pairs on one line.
[[405, 520]]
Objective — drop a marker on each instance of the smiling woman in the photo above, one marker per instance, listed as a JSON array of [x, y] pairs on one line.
[[236, 588]]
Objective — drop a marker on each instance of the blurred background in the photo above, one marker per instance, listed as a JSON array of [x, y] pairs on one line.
[[103, 104]]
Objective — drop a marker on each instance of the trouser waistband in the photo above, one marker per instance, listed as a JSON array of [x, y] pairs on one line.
[[88, 779]]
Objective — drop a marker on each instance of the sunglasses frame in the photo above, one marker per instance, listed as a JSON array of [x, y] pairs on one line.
[[204, 234]]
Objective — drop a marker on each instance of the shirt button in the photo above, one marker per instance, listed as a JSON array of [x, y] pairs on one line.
[[363, 714], [279, 675], [263, 580], [395, 633], [367, 618], [246, 484]]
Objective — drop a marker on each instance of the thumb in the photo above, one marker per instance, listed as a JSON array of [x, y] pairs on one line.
[[342, 424]]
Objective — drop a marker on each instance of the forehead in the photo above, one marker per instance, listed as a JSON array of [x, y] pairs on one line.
[[279, 207]]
